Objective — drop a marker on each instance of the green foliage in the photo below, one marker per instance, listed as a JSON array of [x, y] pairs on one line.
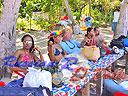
[[1, 6], [101, 11], [51, 7], [77, 6], [24, 24], [43, 23]]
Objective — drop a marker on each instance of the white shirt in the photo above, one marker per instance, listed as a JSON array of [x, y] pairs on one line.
[[116, 16]]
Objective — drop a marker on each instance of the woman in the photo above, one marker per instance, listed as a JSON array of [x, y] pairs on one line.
[[99, 38], [68, 44], [26, 54], [89, 38], [55, 51]]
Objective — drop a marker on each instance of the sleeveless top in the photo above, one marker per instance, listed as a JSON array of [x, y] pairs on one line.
[[58, 51], [27, 58]]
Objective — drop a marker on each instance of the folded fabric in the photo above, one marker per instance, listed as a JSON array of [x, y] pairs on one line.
[[2, 83], [120, 94]]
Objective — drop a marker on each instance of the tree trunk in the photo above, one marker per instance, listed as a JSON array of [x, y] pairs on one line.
[[30, 23], [68, 10], [8, 28], [122, 26]]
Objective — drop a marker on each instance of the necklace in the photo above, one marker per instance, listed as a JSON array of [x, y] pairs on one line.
[[71, 47]]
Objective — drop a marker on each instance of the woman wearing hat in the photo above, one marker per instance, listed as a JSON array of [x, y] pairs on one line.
[[70, 45], [55, 51]]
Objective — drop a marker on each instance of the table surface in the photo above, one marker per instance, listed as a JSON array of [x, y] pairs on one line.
[[69, 88]]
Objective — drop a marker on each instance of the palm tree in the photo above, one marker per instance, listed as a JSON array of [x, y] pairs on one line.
[[8, 28]]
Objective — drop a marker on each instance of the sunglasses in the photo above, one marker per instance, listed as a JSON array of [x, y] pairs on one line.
[[29, 42]]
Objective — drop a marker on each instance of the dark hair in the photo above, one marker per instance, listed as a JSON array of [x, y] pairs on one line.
[[27, 35], [88, 30], [50, 39], [95, 28]]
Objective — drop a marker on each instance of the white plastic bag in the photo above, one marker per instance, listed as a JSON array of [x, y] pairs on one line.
[[35, 78]]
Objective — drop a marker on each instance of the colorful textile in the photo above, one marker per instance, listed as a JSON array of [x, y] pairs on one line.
[[70, 88], [2, 83], [120, 94]]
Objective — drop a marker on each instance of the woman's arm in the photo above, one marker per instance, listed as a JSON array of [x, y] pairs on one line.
[[83, 43], [19, 69], [51, 52], [40, 54], [52, 56], [17, 55]]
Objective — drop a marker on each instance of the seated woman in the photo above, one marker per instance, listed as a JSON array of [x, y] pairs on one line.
[[26, 54], [89, 38], [55, 51], [99, 38], [68, 44]]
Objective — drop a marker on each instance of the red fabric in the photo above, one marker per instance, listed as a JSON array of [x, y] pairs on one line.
[[120, 94], [93, 42], [19, 74], [2, 84], [64, 18], [106, 49]]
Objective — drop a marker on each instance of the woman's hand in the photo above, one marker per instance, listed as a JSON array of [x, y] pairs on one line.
[[50, 43], [37, 49], [41, 56]]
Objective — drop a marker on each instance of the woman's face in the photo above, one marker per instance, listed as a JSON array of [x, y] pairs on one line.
[[91, 33], [27, 43], [57, 39], [67, 36]]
